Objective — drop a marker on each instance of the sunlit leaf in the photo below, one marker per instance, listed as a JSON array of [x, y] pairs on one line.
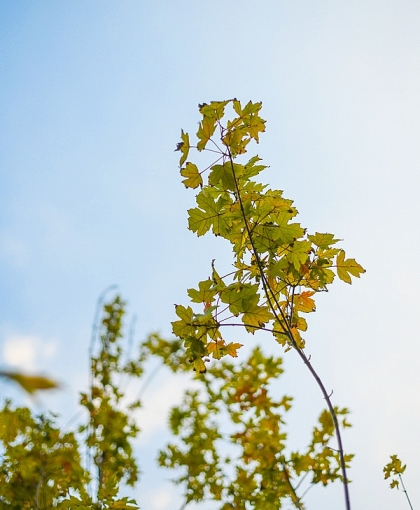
[[30, 383], [192, 176], [347, 267]]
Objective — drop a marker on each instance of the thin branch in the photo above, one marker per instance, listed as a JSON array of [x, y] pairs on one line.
[[271, 298], [301, 480], [293, 496], [307, 490], [405, 491]]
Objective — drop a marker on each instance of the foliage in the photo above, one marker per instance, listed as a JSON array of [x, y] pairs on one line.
[[232, 437], [394, 469], [278, 267], [230, 433], [41, 466]]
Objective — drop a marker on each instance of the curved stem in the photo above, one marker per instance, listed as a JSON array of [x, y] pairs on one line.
[[305, 359], [275, 308]]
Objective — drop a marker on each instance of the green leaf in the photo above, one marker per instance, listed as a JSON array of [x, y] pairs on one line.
[[183, 327], [223, 175], [192, 176], [211, 213], [297, 254]]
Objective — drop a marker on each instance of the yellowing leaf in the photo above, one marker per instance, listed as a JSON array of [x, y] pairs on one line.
[[323, 241], [214, 110], [193, 177], [184, 147], [217, 348], [256, 316], [255, 126], [303, 302], [205, 132], [183, 327], [348, 267], [231, 349], [199, 366], [30, 383], [209, 214]]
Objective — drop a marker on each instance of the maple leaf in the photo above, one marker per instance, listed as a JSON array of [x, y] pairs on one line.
[[214, 110], [208, 214], [222, 174], [323, 241], [183, 327], [193, 177], [184, 147], [303, 302], [199, 366], [216, 348], [205, 132], [231, 349], [348, 267], [205, 294], [298, 253]]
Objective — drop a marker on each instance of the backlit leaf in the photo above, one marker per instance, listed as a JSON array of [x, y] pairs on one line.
[[232, 348], [192, 176], [323, 241], [30, 383], [347, 267], [184, 147]]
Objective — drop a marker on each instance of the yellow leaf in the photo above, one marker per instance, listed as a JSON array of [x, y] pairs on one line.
[[348, 267], [217, 348], [304, 302], [205, 132], [30, 383], [199, 366], [184, 147], [232, 348]]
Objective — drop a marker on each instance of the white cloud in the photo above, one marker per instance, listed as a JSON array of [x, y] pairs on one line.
[[28, 352]]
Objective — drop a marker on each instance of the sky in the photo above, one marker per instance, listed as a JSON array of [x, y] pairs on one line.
[[93, 96]]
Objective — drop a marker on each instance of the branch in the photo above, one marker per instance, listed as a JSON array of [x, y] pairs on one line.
[[274, 306]]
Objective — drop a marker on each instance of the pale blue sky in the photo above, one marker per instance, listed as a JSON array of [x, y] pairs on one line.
[[93, 96]]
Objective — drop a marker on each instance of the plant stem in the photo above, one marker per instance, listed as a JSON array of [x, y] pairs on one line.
[[405, 491], [270, 295]]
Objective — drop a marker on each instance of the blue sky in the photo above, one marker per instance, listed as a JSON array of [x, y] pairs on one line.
[[93, 96]]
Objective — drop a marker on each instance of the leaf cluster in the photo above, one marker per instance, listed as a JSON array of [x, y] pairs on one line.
[[232, 440], [278, 266], [394, 469], [41, 467]]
